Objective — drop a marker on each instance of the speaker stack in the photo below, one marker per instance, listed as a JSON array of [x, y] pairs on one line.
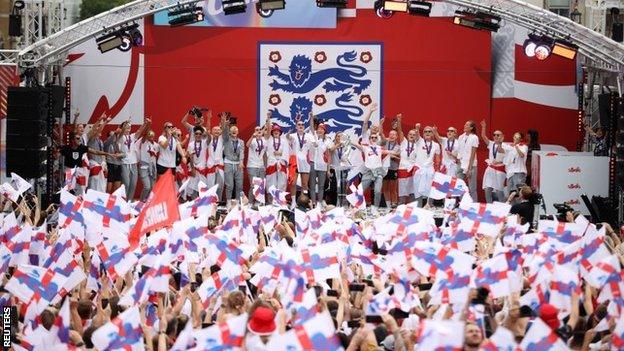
[[26, 134]]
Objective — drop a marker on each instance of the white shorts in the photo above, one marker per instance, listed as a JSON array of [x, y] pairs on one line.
[[494, 179]]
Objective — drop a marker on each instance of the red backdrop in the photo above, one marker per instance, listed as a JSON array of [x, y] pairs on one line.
[[435, 72]]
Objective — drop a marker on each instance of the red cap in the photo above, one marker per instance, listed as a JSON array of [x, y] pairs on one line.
[[276, 127], [549, 314], [262, 321], [324, 126]]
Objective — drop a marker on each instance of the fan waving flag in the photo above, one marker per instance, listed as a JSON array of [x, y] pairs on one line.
[[445, 186], [122, 333], [35, 283], [279, 197], [228, 335], [160, 210], [259, 189], [356, 198], [15, 188], [541, 338], [317, 333]]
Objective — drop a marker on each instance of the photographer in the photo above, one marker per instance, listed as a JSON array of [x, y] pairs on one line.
[[525, 208]]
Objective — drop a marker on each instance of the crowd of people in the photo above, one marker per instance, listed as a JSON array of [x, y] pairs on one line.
[[398, 167], [261, 275]]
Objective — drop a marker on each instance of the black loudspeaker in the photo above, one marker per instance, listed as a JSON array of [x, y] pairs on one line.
[[604, 109], [58, 99], [15, 25], [26, 135], [617, 32]]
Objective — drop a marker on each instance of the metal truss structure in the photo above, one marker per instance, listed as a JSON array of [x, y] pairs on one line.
[[598, 51]]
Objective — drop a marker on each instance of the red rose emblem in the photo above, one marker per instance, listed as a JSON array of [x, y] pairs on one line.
[[365, 100], [275, 56], [320, 57], [366, 57], [275, 99], [320, 100]]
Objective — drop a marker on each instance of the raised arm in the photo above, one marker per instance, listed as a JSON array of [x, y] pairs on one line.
[[417, 129], [143, 128], [267, 125], [367, 117], [225, 133], [436, 135], [185, 122], [484, 133], [400, 134]]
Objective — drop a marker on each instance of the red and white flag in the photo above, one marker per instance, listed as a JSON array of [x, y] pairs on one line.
[[160, 210]]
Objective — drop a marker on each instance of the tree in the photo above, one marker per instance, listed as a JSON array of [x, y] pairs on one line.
[[90, 8]]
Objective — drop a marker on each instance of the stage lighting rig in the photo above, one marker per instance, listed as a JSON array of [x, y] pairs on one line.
[[185, 14], [232, 7], [340, 4], [477, 20], [122, 39], [419, 8], [265, 8]]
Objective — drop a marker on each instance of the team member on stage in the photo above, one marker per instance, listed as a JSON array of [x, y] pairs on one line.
[[214, 165], [127, 144], [392, 144], [301, 142], [515, 162], [256, 157], [198, 150], [233, 158], [167, 148], [374, 170], [340, 152], [72, 157], [468, 143], [113, 164], [427, 153], [277, 158], [319, 166], [148, 154], [407, 165], [449, 146], [97, 163], [374, 128], [494, 175]]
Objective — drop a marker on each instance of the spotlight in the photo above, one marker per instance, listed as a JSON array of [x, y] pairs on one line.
[[109, 42], [380, 11], [395, 5], [232, 7], [542, 51], [18, 5], [564, 49], [477, 20], [265, 8], [136, 36], [341, 4], [419, 8], [185, 14]]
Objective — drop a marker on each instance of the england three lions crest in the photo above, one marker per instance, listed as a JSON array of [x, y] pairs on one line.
[[337, 82]]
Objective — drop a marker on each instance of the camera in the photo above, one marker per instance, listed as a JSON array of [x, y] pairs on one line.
[[562, 209], [197, 111]]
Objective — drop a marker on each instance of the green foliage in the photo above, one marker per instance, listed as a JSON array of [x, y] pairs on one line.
[[90, 8]]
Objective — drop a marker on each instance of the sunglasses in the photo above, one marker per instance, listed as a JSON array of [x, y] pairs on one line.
[[450, 131], [77, 138], [168, 126], [428, 131], [497, 134]]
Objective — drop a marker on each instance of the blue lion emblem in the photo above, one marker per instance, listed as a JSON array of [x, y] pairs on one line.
[[339, 119], [302, 80]]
